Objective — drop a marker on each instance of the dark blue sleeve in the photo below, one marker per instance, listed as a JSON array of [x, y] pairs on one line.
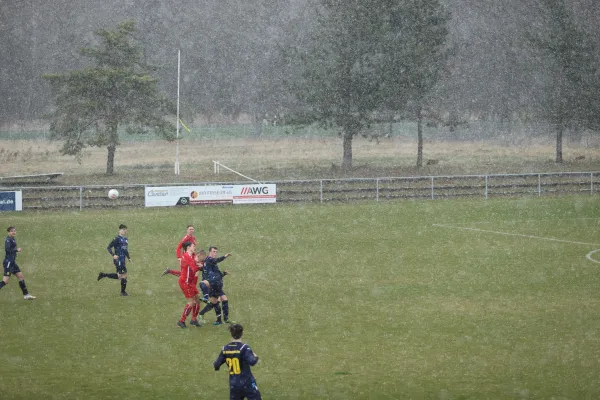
[[111, 245], [219, 361], [219, 259], [249, 356]]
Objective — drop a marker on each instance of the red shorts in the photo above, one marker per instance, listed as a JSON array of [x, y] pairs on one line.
[[188, 290]]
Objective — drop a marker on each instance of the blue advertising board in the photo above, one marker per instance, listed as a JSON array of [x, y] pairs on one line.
[[11, 201]]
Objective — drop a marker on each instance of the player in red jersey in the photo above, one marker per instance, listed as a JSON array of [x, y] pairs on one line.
[[189, 237], [188, 278]]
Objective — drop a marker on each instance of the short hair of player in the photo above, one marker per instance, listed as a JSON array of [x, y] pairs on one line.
[[190, 226], [185, 245], [10, 228], [236, 331], [122, 226], [213, 247]]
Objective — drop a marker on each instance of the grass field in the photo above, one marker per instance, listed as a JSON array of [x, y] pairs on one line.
[[462, 299], [269, 158]]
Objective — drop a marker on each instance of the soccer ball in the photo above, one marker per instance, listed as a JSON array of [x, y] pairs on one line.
[[113, 193]]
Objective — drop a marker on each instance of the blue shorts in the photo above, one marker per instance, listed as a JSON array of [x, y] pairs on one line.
[[250, 392], [216, 289], [10, 268], [120, 265]]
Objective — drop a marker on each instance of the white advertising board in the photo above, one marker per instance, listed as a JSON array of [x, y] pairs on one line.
[[252, 194], [167, 196]]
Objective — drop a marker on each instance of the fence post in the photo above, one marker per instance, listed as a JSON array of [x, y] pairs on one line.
[[591, 183], [432, 195], [321, 190], [539, 185], [377, 185], [486, 187], [80, 198]]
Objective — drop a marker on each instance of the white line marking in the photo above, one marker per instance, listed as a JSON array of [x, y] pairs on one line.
[[517, 234], [543, 219], [589, 256]]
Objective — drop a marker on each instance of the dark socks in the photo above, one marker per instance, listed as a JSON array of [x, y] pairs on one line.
[[2, 284], [123, 284], [23, 287], [105, 275], [206, 309], [226, 309], [218, 311]]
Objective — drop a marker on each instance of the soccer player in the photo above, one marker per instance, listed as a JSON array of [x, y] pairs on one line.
[[199, 259], [10, 263], [239, 357], [189, 237], [120, 245], [188, 279], [215, 280]]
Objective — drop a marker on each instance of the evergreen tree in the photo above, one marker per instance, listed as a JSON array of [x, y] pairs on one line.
[[573, 97], [339, 81], [120, 91], [413, 56], [381, 55]]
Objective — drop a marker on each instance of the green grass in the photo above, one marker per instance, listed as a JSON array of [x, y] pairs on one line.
[[345, 301]]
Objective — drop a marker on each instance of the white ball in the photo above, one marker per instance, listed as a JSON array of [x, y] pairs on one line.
[[113, 193]]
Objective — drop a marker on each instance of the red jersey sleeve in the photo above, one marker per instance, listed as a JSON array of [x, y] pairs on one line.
[[178, 251]]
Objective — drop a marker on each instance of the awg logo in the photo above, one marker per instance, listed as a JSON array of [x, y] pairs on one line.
[[246, 190]]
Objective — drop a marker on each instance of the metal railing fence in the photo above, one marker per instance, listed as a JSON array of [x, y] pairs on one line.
[[336, 190]]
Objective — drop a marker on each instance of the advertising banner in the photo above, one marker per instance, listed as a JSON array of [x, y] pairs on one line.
[[187, 195], [200, 195], [11, 201], [248, 194]]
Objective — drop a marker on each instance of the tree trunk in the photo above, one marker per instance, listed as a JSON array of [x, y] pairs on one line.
[[258, 124], [420, 137], [347, 144], [113, 128], [110, 160], [559, 139]]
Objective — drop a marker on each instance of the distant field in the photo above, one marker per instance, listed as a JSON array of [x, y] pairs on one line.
[[290, 157], [460, 299]]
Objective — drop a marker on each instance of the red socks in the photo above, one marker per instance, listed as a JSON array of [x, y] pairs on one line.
[[186, 312]]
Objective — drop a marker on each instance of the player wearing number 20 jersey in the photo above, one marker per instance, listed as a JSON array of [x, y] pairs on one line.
[[239, 358]]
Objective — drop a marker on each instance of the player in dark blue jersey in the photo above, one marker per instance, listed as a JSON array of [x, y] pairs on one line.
[[214, 277], [239, 357], [10, 263], [118, 249]]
